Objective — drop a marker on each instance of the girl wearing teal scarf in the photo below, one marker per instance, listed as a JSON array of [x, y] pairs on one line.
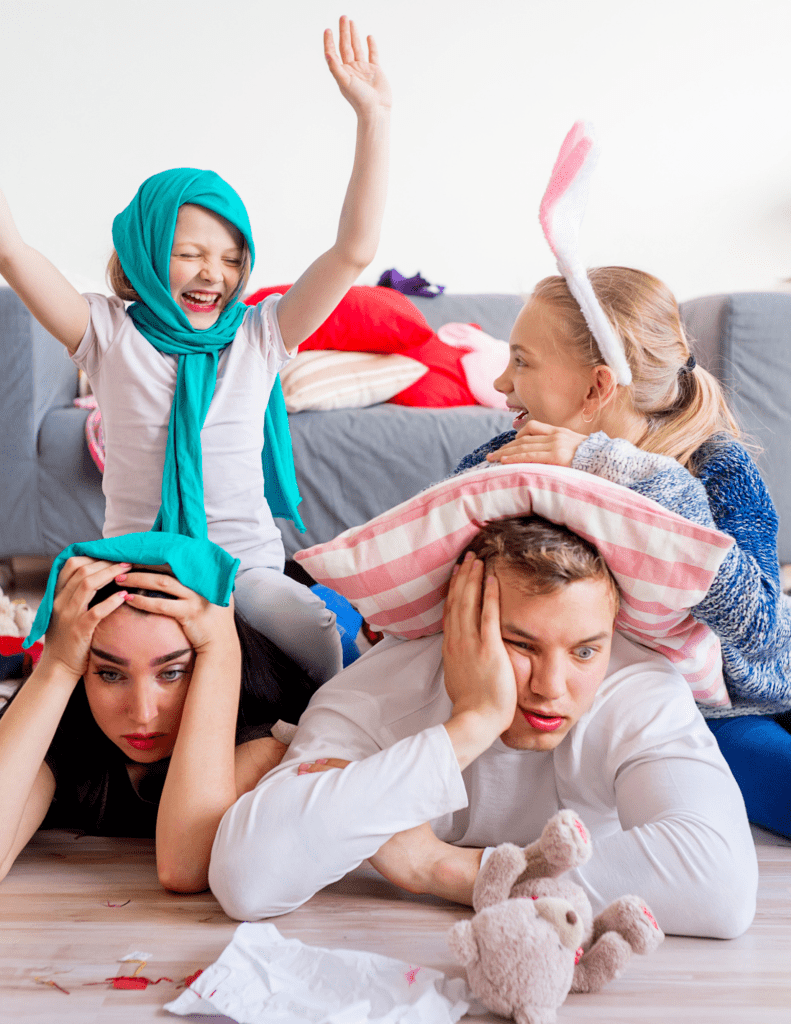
[[183, 251], [195, 315]]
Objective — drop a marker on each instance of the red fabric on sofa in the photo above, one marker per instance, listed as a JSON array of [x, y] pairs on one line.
[[372, 319], [445, 384], [367, 319]]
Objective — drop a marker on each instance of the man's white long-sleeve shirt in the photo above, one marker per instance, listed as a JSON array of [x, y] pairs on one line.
[[640, 767]]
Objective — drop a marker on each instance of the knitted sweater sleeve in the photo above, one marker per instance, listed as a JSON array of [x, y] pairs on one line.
[[476, 457], [745, 606]]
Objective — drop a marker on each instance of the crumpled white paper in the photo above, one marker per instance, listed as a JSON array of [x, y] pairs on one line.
[[263, 978]]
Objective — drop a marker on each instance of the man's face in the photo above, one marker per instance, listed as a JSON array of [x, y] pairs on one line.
[[559, 646]]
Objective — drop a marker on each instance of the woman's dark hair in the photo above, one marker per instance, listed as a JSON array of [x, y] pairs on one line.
[[273, 685]]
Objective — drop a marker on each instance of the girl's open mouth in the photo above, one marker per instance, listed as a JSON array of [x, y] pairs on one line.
[[201, 302], [522, 417]]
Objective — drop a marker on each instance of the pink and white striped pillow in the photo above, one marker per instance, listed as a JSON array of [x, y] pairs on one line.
[[324, 379], [395, 569]]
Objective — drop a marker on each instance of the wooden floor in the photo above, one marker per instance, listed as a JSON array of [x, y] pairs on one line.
[[73, 907]]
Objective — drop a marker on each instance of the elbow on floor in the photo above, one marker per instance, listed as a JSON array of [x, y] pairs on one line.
[[733, 919], [725, 909], [175, 878], [247, 896]]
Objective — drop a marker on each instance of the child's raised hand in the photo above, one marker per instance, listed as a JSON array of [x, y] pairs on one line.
[[359, 77], [540, 442]]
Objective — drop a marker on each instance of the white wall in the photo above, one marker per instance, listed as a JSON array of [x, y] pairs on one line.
[[689, 97]]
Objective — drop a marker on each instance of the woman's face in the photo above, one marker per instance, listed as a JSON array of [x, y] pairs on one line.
[[139, 670]]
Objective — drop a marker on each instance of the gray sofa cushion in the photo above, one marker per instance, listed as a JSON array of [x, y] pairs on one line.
[[353, 464], [50, 493], [745, 341], [494, 314]]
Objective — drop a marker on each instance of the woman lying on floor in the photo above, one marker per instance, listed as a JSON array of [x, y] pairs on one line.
[[147, 715]]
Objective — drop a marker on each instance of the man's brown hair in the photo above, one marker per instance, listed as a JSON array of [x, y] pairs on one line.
[[542, 556]]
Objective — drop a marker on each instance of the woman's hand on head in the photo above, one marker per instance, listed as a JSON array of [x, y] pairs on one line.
[[72, 623], [208, 627], [540, 442], [360, 79]]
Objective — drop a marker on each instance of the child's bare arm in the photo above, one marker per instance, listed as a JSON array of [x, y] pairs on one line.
[[318, 291], [55, 303]]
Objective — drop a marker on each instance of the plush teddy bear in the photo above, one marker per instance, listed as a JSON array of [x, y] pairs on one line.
[[534, 938]]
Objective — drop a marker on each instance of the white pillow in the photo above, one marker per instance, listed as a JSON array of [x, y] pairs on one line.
[[326, 379], [395, 569]]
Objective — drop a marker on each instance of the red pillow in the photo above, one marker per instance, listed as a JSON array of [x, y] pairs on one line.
[[445, 383], [367, 319]]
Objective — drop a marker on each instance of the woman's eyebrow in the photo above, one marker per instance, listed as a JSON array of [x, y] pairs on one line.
[[170, 657], [115, 660], [109, 657]]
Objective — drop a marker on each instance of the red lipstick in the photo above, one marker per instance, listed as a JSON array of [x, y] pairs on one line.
[[143, 741]]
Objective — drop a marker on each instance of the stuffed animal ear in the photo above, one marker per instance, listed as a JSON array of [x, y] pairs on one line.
[[563, 918], [462, 944]]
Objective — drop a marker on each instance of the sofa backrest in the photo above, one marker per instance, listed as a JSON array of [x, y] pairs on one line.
[[744, 339]]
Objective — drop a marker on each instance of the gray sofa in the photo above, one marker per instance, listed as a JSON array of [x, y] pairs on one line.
[[353, 464]]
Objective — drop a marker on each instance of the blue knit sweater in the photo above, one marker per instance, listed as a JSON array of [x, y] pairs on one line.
[[745, 606]]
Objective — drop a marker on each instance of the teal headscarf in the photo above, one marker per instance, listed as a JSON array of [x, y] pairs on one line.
[[143, 238], [200, 565]]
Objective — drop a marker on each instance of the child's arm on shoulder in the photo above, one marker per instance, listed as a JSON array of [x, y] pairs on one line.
[[745, 605], [655, 476], [309, 302], [55, 303]]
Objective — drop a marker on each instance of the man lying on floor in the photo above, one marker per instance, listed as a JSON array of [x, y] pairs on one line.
[[526, 704]]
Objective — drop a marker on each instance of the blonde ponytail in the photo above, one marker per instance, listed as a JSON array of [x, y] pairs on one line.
[[683, 405]]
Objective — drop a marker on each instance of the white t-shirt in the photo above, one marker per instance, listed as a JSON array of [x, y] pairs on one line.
[[134, 385], [640, 767]]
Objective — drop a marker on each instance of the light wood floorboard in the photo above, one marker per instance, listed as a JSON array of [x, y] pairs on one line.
[[55, 924]]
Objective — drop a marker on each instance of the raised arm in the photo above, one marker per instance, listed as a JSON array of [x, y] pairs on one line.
[[29, 723], [309, 302], [55, 303]]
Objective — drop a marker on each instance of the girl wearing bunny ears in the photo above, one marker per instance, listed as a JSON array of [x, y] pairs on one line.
[[187, 377], [601, 378]]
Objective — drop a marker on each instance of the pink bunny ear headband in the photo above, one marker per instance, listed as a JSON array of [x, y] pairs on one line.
[[561, 213]]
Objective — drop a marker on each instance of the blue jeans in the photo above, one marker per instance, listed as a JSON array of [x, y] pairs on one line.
[[758, 751]]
